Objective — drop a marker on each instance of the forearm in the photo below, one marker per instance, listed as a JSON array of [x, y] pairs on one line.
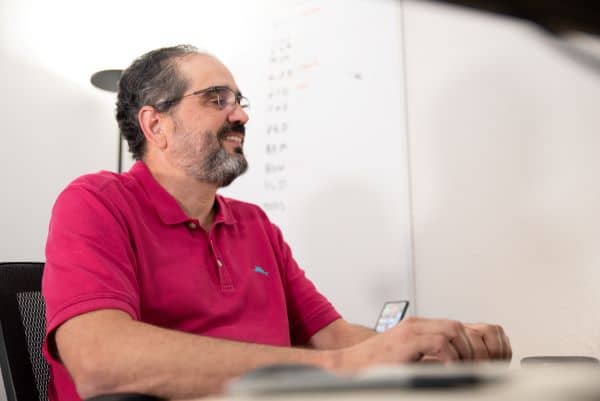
[[359, 334], [340, 334], [130, 356]]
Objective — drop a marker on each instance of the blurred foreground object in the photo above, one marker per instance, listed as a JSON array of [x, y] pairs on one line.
[[575, 23], [556, 16]]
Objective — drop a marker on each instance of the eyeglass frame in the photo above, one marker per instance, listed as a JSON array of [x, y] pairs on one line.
[[238, 97]]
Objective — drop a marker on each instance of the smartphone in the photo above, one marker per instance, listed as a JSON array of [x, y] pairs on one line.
[[391, 314]]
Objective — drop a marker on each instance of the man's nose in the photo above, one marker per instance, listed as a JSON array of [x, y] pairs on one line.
[[238, 115]]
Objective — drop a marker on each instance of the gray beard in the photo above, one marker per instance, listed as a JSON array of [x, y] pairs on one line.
[[220, 168], [217, 167]]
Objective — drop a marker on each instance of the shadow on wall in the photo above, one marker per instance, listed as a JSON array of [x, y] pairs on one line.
[[510, 217], [354, 247], [53, 131]]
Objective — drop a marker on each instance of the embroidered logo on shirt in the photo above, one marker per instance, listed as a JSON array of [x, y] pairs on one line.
[[260, 270]]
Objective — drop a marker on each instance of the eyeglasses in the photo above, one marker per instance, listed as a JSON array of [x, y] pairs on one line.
[[221, 97]]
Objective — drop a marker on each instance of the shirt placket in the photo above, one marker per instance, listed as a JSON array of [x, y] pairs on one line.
[[222, 269]]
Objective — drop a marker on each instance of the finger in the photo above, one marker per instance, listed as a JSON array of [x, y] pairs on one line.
[[508, 348], [453, 331], [493, 338], [462, 343], [480, 350], [501, 342], [430, 359], [505, 341], [426, 339], [437, 346]]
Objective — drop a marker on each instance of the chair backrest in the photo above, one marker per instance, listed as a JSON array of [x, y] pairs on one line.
[[22, 329]]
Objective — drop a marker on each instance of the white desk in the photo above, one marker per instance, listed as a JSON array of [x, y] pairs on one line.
[[571, 383]]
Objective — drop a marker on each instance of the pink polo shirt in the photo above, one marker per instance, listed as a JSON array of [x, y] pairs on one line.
[[123, 242]]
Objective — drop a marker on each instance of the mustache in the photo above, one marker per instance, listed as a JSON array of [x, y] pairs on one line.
[[229, 127]]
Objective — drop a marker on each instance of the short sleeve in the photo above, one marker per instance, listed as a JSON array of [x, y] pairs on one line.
[[308, 310], [90, 263]]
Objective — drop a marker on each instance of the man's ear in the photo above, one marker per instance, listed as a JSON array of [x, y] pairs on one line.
[[151, 122]]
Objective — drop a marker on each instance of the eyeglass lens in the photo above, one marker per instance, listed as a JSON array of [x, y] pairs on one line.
[[227, 97]]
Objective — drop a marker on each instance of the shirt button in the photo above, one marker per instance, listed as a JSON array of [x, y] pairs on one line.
[[219, 263], [192, 225]]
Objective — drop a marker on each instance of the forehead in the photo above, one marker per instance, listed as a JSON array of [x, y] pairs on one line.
[[202, 71]]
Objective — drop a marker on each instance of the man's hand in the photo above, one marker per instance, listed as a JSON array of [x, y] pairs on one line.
[[488, 342], [415, 339]]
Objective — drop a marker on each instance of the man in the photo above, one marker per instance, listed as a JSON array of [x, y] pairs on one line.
[[150, 283]]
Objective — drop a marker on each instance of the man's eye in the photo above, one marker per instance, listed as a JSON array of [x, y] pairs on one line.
[[217, 98], [213, 99]]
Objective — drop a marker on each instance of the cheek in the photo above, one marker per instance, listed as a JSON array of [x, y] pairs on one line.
[[180, 144]]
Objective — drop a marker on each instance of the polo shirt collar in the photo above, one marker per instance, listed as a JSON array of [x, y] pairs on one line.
[[166, 205], [223, 214]]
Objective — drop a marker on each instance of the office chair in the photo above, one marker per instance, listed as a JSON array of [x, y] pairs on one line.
[[22, 327]]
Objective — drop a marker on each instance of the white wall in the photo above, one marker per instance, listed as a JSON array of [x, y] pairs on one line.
[[56, 126], [504, 142]]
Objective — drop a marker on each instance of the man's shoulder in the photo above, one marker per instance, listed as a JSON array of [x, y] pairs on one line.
[[104, 186], [99, 182]]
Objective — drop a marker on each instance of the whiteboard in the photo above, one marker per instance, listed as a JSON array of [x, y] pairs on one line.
[[327, 147]]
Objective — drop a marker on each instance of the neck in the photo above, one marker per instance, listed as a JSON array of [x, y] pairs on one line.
[[195, 198]]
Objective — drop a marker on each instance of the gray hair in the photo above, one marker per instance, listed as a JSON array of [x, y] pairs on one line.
[[152, 79]]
